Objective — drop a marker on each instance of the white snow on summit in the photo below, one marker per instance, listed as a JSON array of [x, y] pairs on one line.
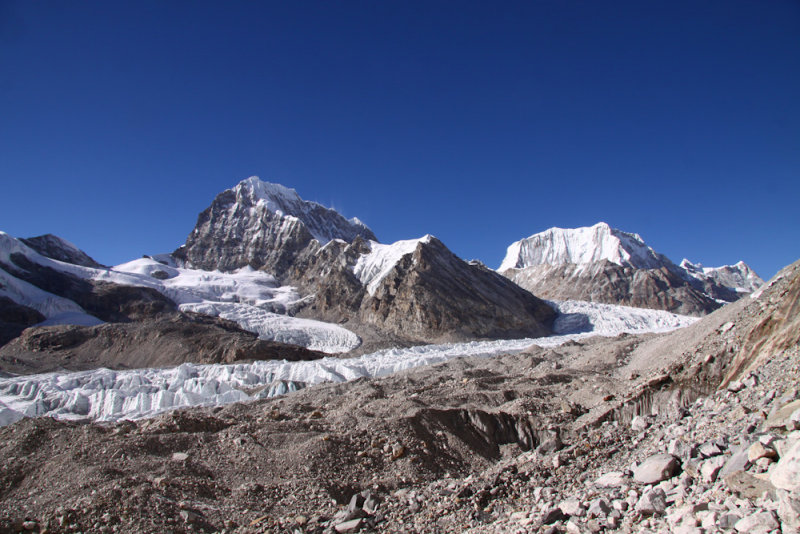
[[106, 395], [558, 246], [373, 267], [324, 224]]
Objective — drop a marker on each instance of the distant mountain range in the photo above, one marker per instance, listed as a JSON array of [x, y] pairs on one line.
[[603, 264], [294, 271]]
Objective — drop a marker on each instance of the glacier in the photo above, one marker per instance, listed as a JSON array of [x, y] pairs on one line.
[[107, 395], [253, 299]]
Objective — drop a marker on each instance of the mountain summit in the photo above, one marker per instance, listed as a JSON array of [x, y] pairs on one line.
[[264, 226], [561, 246]]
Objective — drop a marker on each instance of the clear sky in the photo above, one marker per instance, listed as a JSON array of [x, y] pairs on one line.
[[478, 122]]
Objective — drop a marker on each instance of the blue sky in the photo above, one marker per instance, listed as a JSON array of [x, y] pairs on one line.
[[481, 123]]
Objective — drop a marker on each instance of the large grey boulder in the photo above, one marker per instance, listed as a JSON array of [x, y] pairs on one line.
[[656, 468]]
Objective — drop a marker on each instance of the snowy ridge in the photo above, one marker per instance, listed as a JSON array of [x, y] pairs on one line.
[[739, 277], [558, 246], [324, 224], [373, 267], [106, 395], [252, 299]]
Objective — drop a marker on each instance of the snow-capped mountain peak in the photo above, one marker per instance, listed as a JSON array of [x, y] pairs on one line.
[[560, 246], [324, 224], [739, 276]]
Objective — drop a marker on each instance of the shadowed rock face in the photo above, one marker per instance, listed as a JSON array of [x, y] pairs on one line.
[[14, 318], [165, 341], [607, 282], [54, 247]]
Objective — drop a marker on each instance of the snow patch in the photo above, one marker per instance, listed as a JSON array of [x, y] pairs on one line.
[[373, 267]]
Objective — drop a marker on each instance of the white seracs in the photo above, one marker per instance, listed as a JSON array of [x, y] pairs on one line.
[[559, 246], [372, 268], [324, 224]]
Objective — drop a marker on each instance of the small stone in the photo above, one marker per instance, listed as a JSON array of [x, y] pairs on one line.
[[29, 525], [761, 522], [735, 386], [398, 451], [348, 526], [786, 473], [552, 515], [612, 479], [711, 468], [599, 508], [709, 449], [572, 507], [656, 468], [736, 462], [757, 451], [653, 501], [639, 424], [179, 456]]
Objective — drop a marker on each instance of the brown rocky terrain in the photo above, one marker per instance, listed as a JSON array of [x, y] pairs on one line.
[[692, 431], [168, 340]]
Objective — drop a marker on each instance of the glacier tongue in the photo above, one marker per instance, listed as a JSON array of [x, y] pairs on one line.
[[107, 395]]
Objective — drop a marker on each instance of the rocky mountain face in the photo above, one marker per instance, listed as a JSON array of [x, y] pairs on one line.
[[263, 225], [416, 290], [602, 264]]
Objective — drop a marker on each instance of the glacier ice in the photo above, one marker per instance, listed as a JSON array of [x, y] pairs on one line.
[[107, 395]]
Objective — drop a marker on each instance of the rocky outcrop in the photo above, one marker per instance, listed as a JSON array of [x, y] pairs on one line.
[[54, 247], [168, 340]]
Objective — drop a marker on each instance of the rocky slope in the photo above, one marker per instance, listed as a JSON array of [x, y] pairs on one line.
[[631, 434], [602, 264], [168, 340]]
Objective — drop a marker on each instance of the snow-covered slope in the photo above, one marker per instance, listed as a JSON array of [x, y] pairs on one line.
[[738, 277], [106, 395], [253, 299], [373, 267], [559, 246]]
